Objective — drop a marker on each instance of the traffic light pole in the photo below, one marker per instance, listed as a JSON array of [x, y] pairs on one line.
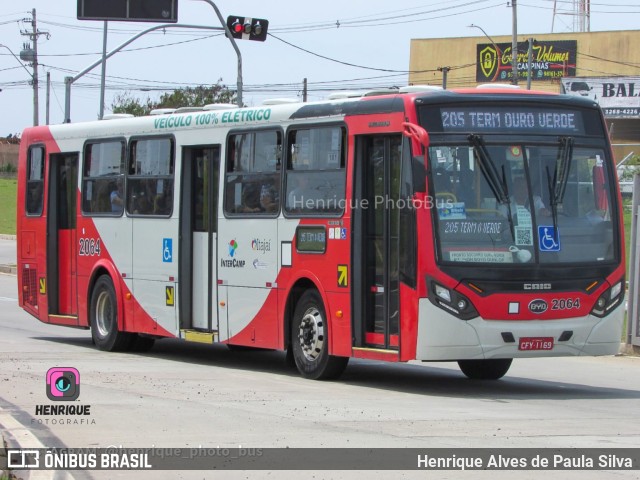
[[68, 81], [235, 47]]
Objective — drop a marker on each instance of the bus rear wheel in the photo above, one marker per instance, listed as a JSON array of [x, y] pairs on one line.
[[310, 340], [491, 369], [104, 318]]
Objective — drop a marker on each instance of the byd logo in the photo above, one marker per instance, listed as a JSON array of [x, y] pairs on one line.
[[538, 306]]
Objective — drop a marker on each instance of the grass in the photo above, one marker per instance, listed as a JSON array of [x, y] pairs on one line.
[[8, 191]]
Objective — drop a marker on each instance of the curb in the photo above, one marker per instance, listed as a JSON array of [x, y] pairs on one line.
[[629, 349], [10, 269], [15, 436]]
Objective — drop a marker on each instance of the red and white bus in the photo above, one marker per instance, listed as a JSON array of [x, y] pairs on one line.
[[476, 225]]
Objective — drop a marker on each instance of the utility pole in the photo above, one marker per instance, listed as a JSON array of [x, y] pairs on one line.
[[304, 90], [32, 56], [514, 44], [34, 37], [529, 63], [103, 74], [48, 98], [445, 71]]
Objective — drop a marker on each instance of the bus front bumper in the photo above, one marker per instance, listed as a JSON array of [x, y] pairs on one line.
[[441, 336]]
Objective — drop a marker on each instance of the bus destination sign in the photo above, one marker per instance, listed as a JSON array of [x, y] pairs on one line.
[[511, 120]]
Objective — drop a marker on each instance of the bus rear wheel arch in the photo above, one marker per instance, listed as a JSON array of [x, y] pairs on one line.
[[103, 315], [488, 369], [310, 340]]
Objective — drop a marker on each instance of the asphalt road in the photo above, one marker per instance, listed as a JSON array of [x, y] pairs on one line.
[[189, 395]]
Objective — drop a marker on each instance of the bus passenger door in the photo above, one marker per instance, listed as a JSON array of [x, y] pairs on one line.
[[198, 230], [376, 279], [61, 225]]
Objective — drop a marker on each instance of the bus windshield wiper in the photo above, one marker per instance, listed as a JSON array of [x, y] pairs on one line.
[[489, 171], [558, 183], [497, 185], [561, 175]]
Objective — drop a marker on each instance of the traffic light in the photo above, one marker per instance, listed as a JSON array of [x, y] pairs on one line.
[[247, 28]]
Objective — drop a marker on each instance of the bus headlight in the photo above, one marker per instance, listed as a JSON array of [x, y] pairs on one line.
[[451, 301], [443, 293], [610, 299]]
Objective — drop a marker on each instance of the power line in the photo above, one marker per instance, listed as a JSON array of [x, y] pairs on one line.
[[115, 31], [339, 61], [182, 42], [366, 21]]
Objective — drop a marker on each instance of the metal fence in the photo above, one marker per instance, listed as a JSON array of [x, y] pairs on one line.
[[633, 303], [626, 154]]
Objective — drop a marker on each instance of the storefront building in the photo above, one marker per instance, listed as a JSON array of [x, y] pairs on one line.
[[604, 66]]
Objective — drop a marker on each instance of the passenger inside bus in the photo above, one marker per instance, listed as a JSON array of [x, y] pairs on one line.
[[520, 198], [250, 199], [268, 199], [161, 205], [117, 203], [295, 198]]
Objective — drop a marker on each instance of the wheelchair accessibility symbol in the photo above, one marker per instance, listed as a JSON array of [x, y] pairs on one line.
[[167, 250], [548, 239]]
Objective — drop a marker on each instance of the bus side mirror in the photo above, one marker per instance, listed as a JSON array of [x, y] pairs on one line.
[[416, 133], [420, 145]]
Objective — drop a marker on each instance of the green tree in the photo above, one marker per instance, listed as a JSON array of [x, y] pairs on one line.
[[127, 103], [630, 169], [182, 97]]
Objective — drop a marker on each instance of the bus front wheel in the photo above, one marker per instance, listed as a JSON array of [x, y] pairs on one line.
[[310, 340], [491, 369], [104, 318]]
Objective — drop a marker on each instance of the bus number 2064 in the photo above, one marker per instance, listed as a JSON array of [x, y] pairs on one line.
[[89, 247]]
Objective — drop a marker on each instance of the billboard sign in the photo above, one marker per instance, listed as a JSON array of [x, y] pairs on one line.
[[619, 97], [551, 60], [161, 11]]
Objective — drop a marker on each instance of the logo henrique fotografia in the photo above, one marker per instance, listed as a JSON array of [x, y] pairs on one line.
[[63, 384]]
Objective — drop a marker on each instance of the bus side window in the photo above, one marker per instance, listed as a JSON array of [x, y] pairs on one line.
[[150, 178], [315, 177], [103, 175], [35, 180], [252, 185]]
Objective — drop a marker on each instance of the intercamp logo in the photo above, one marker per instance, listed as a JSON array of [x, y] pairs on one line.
[[233, 246]]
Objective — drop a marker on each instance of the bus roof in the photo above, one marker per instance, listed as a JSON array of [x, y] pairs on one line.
[[279, 112]]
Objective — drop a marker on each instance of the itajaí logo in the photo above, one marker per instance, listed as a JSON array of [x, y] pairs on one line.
[[233, 245]]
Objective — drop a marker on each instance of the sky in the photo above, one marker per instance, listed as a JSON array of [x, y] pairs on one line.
[[336, 45]]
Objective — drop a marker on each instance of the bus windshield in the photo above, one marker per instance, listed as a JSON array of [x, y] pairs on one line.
[[522, 203]]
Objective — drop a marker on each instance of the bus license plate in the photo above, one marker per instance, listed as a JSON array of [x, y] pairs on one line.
[[536, 343]]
